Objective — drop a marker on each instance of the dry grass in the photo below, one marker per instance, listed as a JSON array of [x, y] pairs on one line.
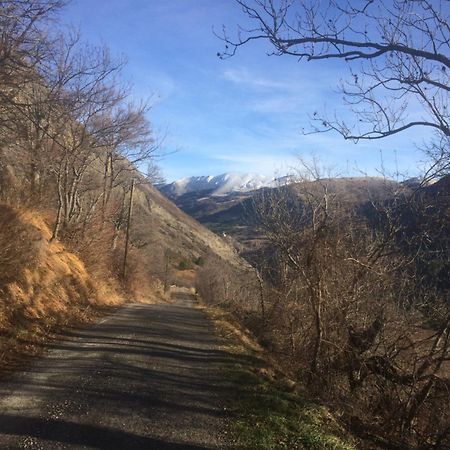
[[183, 235], [183, 278], [150, 292], [231, 331], [269, 411], [42, 285]]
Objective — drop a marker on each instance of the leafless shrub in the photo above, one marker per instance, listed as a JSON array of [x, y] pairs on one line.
[[350, 306]]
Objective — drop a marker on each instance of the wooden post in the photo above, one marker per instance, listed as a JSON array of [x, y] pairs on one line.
[[127, 235]]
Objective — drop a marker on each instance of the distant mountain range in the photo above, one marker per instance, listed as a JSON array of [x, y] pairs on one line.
[[224, 203], [218, 185]]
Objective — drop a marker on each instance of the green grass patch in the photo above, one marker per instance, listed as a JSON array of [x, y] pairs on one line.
[[266, 417]]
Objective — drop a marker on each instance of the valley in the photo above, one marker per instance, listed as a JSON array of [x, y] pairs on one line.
[[230, 210]]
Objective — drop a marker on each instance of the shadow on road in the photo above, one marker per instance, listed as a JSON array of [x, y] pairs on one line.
[[150, 377], [85, 435]]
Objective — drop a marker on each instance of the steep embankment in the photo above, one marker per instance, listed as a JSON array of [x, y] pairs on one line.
[[42, 285]]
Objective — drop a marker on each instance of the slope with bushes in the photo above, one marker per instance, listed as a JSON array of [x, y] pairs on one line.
[[81, 227], [352, 300], [42, 284]]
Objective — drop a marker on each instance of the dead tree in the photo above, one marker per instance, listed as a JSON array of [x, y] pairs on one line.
[[396, 52], [364, 322]]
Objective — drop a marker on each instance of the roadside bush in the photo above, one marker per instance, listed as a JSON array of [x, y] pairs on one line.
[[184, 265], [345, 311], [21, 241]]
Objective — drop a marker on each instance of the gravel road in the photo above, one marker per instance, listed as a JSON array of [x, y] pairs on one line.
[[147, 377]]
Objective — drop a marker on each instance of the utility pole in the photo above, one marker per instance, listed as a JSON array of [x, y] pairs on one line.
[[166, 271], [127, 235]]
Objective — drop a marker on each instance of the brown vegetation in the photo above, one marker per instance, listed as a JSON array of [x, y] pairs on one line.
[[42, 285], [345, 300], [355, 300], [80, 226]]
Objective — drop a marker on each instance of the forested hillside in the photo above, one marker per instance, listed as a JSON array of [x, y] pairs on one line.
[[81, 226], [346, 281], [350, 292], [351, 298]]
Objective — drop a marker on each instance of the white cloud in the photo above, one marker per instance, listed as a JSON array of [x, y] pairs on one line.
[[296, 80], [279, 92], [276, 104], [242, 76]]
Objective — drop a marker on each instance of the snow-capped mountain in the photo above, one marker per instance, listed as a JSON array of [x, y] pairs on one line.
[[217, 185]]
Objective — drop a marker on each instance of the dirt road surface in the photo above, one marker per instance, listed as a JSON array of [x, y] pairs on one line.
[[147, 377]]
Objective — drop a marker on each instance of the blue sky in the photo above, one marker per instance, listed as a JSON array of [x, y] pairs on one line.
[[243, 114]]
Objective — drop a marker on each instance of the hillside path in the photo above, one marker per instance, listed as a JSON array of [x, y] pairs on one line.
[[146, 377]]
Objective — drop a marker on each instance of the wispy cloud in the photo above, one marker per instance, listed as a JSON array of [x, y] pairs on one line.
[[298, 81], [278, 92], [276, 104], [244, 77]]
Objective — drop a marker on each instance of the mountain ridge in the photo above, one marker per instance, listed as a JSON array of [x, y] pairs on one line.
[[222, 184]]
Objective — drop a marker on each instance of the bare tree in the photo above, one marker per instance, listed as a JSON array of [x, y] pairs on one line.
[[363, 301], [396, 51], [102, 133], [128, 143], [24, 46], [24, 37], [83, 78], [351, 302]]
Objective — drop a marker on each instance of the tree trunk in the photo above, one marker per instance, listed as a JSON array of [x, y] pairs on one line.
[[316, 303]]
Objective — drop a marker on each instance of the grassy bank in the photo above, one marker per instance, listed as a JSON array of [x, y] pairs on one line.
[[269, 410], [44, 287]]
